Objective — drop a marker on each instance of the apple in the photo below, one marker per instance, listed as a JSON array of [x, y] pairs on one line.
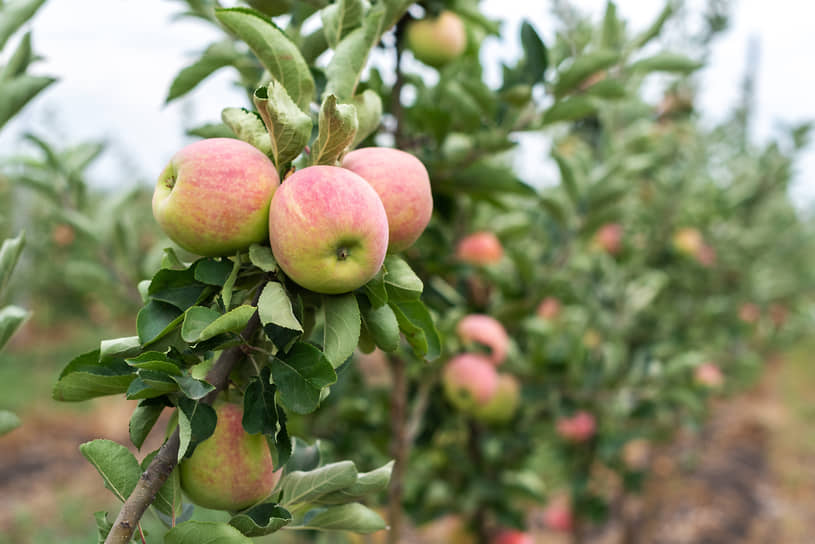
[[480, 248], [436, 42], [578, 428], [636, 454], [63, 235], [709, 375], [231, 469], [512, 536], [470, 380], [503, 404], [402, 182], [749, 312], [778, 314], [706, 256], [557, 515], [485, 330], [609, 238], [328, 229], [687, 241], [549, 308], [213, 197]]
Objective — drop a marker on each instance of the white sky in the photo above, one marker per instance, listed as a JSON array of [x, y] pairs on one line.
[[116, 59]]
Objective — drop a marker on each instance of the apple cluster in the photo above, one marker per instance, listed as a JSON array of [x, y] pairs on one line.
[[329, 227], [472, 382]]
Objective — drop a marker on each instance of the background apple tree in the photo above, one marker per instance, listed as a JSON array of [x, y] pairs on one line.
[[512, 370]]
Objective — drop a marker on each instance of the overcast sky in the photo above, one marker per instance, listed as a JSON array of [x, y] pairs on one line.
[[116, 58]]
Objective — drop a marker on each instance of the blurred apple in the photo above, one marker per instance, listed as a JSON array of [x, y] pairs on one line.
[[512, 536], [470, 381], [609, 238], [709, 375], [486, 330], [749, 312], [688, 241], [557, 515], [480, 248], [578, 428], [436, 42], [503, 404], [549, 309]]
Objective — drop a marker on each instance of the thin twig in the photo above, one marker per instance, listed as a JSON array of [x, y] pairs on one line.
[[398, 448]]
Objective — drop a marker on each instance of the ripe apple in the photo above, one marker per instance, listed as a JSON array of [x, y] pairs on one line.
[[709, 375], [503, 404], [231, 469], [485, 330], [328, 229], [63, 235], [749, 312], [470, 380], [609, 238], [213, 197], [436, 42], [687, 241], [549, 308], [557, 515], [401, 181], [480, 248], [578, 428], [512, 536], [706, 256]]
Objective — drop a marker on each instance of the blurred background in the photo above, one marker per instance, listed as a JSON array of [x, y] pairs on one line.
[[78, 164]]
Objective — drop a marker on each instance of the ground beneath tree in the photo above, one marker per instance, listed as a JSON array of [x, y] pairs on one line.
[[747, 478]]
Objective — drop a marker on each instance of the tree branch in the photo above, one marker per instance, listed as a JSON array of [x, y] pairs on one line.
[[398, 448], [167, 457]]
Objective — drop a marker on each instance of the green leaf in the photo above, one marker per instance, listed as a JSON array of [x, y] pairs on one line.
[[11, 317], [211, 130], [247, 126], [212, 272], [337, 127], [229, 284], [375, 289], [656, 27], [367, 484], [117, 466], [18, 91], [9, 255], [301, 377], [570, 109], [157, 319], [13, 15], [149, 384], [193, 388], [156, 361], [289, 128], [262, 257], [8, 421], [196, 423], [259, 408], [567, 179], [351, 55], [345, 517], [383, 326], [536, 58], [611, 27], [176, 287], [667, 62], [583, 67], [216, 56], [205, 532], [417, 324], [19, 60], [169, 499], [274, 307], [196, 319], [610, 89], [261, 520], [400, 280], [279, 55], [128, 346], [141, 422], [484, 178], [339, 18], [103, 526], [85, 377], [304, 457], [303, 487], [232, 321], [341, 330], [368, 105]]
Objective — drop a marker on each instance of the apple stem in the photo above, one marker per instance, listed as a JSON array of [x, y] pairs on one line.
[[342, 253]]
